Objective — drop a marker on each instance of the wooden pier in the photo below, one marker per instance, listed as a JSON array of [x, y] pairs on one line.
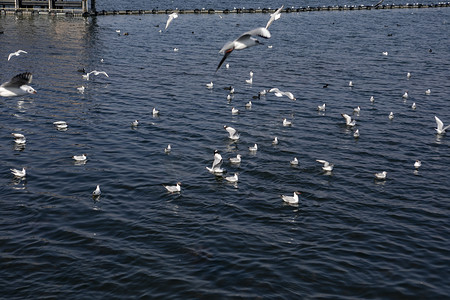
[[81, 7]]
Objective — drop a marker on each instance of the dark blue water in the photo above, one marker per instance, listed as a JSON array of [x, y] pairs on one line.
[[350, 237]]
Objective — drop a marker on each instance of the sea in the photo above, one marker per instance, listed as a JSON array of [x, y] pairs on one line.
[[350, 236]]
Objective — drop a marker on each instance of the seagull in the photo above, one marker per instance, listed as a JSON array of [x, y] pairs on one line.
[[417, 164], [326, 165], [155, 112], [405, 95], [414, 106], [242, 42], [135, 123], [60, 124], [17, 86], [286, 122], [356, 110], [81, 89], [176, 49], [227, 66], [348, 120], [250, 81], [231, 90], [408, 75], [20, 141], [275, 16], [19, 173], [381, 175], [356, 133], [253, 148], [168, 149], [95, 73], [428, 92], [275, 141], [440, 129], [17, 53], [350, 83], [229, 97], [81, 157], [232, 179], [235, 160], [170, 19], [96, 192], [321, 107], [385, 53], [279, 93], [217, 163], [294, 162], [372, 99], [232, 133], [173, 188], [210, 85], [391, 115], [18, 135], [234, 111], [291, 200], [248, 104]]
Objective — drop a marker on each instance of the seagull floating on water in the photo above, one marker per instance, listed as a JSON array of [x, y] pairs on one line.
[[235, 160], [234, 111], [275, 141], [248, 104], [155, 112], [385, 53], [321, 107], [250, 81], [417, 164], [170, 19], [253, 148], [17, 86], [294, 162], [356, 133], [350, 83], [60, 125], [440, 129], [414, 106], [95, 73], [244, 41], [217, 163], [291, 199], [210, 85], [428, 92], [391, 115], [168, 149], [19, 173], [372, 99], [405, 95], [232, 179], [135, 123], [81, 89], [173, 188], [97, 192], [348, 120], [81, 157], [286, 122], [326, 165], [381, 175], [17, 53], [356, 110], [232, 133], [408, 75]]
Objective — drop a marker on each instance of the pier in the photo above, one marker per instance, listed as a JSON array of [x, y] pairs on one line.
[[81, 7]]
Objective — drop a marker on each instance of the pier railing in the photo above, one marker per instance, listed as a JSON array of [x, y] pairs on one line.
[[81, 7]]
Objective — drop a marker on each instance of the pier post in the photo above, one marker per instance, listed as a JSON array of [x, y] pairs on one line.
[[17, 4], [84, 7], [93, 6]]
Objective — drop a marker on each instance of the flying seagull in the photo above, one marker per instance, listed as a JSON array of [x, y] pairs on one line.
[[17, 86], [17, 53], [170, 19], [244, 41], [275, 16]]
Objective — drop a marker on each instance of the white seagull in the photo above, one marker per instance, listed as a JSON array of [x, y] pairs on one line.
[[279, 93], [155, 112], [405, 95], [210, 85], [275, 141], [408, 75], [381, 175], [217, 163], [60, 125], [356, 133], [17, 53], [242, 42], [357, 110], [170, 19], [97, 192], [286, 122], [350, 83], [417, 164], [168, 149], [348, 120], [173, 188], [234, 111], [294, 162], [250, 81], [428, 92], [372, 99], [81, 157], [326, 165], [81, 89], [19, 173], [233, 178], [135, 123], [391, 115], [440, 129], [248, 104], [253, 148], [275, 16], [17, 86], [414, 106], [321, 107], [232, 133], [235, 160], [95, 73], [291, 199]]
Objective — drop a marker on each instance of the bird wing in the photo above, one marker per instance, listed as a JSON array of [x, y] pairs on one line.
[[347, 118], [275, 16], [11, 55], [260, 31], [379, 3], [324, 162], [19, 80], [439, 123], [21, 51], [217, 161], [227, 53], [230, 130], [289, 95]]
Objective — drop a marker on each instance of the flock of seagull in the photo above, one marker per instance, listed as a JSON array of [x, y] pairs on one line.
[[19, 85]]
